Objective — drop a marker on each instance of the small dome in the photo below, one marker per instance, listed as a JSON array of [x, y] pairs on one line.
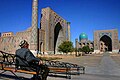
[[83, 36]]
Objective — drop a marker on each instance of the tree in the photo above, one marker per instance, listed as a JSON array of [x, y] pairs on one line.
[[75, 49], [80, 50], [92, 50], [66, 47], [85, 49]]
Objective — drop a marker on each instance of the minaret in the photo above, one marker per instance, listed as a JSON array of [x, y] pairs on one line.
[[68, 29], [34, 32]]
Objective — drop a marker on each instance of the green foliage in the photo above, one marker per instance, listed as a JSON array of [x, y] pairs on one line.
[[66, 47], [92, 49], [80, 49], [75, 49], [85, 49]]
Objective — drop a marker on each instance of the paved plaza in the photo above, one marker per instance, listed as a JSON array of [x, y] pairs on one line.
[[98, 67]]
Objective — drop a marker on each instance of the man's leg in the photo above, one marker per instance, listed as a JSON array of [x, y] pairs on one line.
[[45, 70], [38, 70]]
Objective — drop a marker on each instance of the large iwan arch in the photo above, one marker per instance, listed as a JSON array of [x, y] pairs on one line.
[[56, 30], [58, 36], [105, 43], [106, 40]]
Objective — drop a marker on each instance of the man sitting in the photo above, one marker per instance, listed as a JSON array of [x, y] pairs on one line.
[[25, 57]]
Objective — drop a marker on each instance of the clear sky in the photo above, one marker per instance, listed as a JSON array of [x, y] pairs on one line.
[[85, 15]]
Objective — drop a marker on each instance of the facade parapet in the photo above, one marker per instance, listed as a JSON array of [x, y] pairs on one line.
[[6, 34]]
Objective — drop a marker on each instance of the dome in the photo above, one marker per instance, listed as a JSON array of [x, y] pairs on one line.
[[83, 36]]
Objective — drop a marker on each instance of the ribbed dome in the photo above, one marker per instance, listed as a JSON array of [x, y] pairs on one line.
[[83, 36]]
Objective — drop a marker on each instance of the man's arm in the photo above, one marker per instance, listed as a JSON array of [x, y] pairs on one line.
[[30, 57]]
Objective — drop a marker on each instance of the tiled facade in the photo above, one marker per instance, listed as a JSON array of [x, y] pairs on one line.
[[80, 44], [111, 34], [11, 43], [34, 30], [54, 30]]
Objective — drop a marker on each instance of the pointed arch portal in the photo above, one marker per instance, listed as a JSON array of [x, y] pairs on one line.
[[106, 43], [57, 30]]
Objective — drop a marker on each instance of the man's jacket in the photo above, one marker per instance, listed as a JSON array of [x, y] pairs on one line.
[[24, 57]]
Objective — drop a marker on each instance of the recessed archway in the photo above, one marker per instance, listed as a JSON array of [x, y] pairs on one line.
[[57, 32], [105, 43]]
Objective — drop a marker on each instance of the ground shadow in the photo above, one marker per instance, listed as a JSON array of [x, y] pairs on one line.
[[2, 76]]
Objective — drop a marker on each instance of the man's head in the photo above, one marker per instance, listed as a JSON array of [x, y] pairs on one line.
[[24, 44]]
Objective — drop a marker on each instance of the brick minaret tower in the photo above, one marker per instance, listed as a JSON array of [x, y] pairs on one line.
[[68, 29], [34, 32]]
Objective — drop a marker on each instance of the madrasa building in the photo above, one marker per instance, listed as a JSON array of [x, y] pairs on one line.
[[46, 39], [83, 41], [104, 40]]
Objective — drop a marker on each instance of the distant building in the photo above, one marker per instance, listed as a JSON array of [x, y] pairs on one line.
[[104, 40], [6, 34], [83, 41]]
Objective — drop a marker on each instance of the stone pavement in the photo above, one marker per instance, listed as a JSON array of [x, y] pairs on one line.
[[101, 67]]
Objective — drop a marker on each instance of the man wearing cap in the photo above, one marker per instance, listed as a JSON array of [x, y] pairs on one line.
[[29, 59]]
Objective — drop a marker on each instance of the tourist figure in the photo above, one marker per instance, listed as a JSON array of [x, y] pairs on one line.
[[29, 59]]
